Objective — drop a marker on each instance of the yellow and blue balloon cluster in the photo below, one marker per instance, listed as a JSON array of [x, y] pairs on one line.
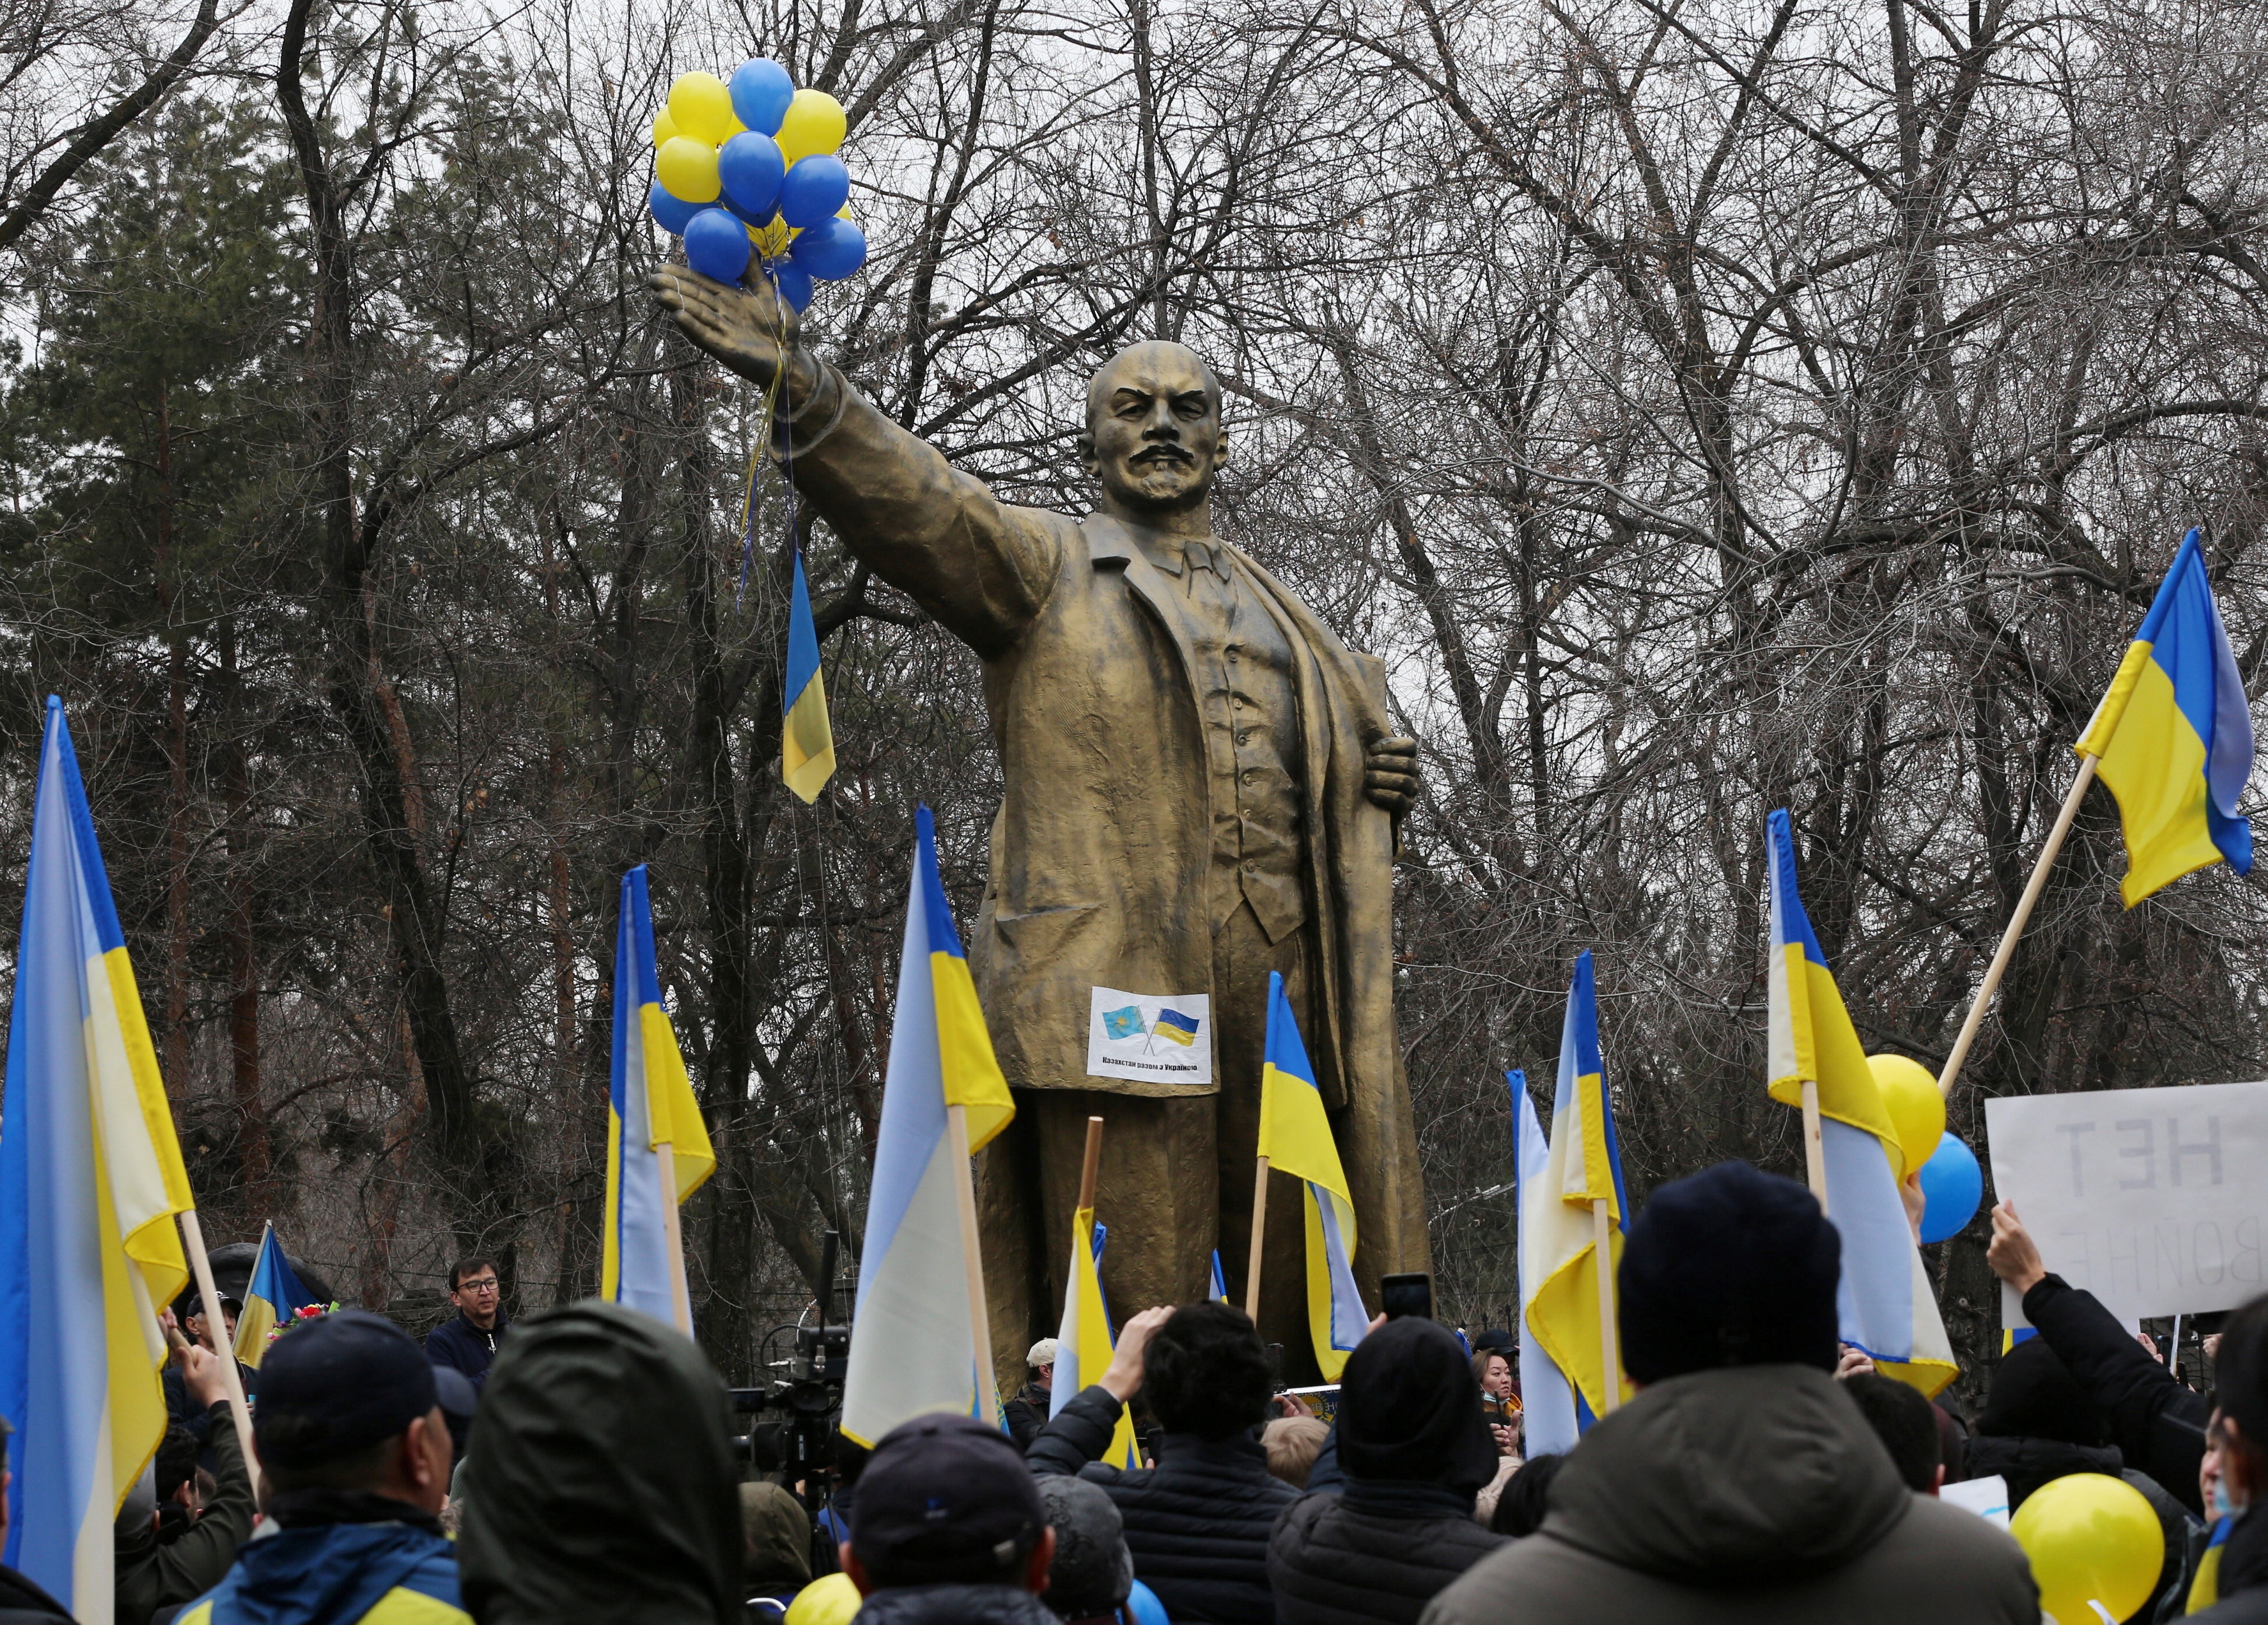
[[747, 171]]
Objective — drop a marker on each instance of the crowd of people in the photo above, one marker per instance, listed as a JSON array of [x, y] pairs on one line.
[[583, 1467]]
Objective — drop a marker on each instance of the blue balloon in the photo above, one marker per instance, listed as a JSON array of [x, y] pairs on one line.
[[794, 285], [814, 190], [671, 214], [1143, 1604], [749, 166], [717, 245], [760, 92], [1952, 1185], [830, 250]]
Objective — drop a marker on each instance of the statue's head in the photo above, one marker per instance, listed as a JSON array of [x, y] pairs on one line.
[[1153, 437]]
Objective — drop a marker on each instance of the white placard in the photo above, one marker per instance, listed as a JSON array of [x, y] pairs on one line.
[[2155, 1200], [1987, 1497], [1149, 1038]]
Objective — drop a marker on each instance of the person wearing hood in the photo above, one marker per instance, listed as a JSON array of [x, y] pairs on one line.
[[775, 1551], [1740, 1484], [948, 1529], [602, 1489], [352, 1438], [1414, 1450]]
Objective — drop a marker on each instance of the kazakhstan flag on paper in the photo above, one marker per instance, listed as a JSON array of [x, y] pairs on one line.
[[91, 1177], [1582, 1166], [650, 1104], [2175, 736], [916, 1350], [1295, 1136], [1884, 1303], [1118, 1025], [271, 1298]]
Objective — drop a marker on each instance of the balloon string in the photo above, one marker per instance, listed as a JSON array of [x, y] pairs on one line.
[[748, 487]]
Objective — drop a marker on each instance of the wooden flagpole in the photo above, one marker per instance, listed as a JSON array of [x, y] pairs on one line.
[[1814, 1158], [1090, 1167], [1610, 1354], [217, 1339], [680, 1302], [2016, 922], [1259, 1230], [956, 1124]]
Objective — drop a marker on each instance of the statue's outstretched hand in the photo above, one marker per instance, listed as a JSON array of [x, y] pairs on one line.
[[1390, 773], [748, 329]]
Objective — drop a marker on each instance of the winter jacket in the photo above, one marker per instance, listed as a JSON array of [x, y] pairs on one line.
[[23, 1603], [152, 1575], [2028, 1463], [2240, 1575], [1745, 1495], [954, 1605], [1371, 1552], [2157, 1424], [1197, 1524], [462, 1346], [1026, 1414], [337, 1558]]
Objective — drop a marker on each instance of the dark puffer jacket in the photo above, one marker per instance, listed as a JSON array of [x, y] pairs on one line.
[[1374, 1552], [2157, 1424], [1197, 1524], [954, 1605]]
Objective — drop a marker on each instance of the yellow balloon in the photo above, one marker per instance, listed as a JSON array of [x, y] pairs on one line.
[[772, 238], [686, 169], [664, 128], [2091, 1537], [815, 124], [702, 106], [1916, 1108], [830, 1599]]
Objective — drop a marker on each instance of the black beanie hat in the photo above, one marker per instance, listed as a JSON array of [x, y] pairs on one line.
[[2034, 1395], [1729, 1267], [1409, 1409]]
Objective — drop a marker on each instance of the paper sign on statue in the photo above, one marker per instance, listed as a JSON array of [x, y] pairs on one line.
[[2155, 1200], [1149, 1038]]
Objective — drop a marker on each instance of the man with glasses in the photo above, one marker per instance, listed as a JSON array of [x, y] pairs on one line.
[[468, 1343]]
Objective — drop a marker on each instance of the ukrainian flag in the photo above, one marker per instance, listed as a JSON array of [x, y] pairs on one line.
[[1582, 1164], [2174, 737], [807, 739], [1084, 1342], [1884, 1302], [272, 1296], [1547, 1399], [91, 1177], [916, 1350], [650, 1104], [1295, 1136], [1175, 1028], [1219, 1290]]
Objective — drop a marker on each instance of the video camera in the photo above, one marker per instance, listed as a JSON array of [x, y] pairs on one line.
[[793, 1425]]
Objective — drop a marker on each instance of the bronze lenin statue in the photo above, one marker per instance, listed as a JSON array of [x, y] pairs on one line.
[[1201, 789]]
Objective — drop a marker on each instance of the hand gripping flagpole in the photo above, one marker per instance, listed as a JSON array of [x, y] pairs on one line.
[[2016, 923], [193, 1243]]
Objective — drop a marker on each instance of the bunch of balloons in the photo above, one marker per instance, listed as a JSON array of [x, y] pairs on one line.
[[1952, 1184], [747, 171]]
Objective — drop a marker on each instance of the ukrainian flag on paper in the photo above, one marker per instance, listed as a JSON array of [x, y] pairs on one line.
[[271, 1298], [1884, 1303], [1547, 1399], [807, 739], [650, 1104], [916, 1351], [1175, 1028], [1582, 1164], [91, 1177], [1084, 1342], [2175, 736], [1295, 1136]]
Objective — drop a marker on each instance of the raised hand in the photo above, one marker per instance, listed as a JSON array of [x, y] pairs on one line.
[[748, 329], [1390, 773]]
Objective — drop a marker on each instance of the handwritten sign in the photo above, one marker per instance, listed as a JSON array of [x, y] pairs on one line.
[[2155, 1200]]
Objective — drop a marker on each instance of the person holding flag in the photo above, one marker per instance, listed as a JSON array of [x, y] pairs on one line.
[[924, 1343], [1852, 1151], [272, 1296], [1295, 1138], [658, 1151], [1084, 1343], [1574, 1216]]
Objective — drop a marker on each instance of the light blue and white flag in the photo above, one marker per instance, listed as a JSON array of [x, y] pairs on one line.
[[1547, 1400]]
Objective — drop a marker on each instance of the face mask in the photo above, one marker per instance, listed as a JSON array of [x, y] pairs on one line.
[[2222, 1506]]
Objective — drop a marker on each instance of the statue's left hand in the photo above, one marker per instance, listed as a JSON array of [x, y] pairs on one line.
[[1390, 773]]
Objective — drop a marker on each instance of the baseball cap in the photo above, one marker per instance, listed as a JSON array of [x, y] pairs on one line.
[[343, 1382], [1041, 1353], [944, 1498]]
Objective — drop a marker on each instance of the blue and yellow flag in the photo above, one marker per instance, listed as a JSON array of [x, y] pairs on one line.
[[807, 738], [916, 1350], [1295, 1137], [1884, 1303], [1218, 1290], [2174, 737], [91, 1178], [1583, 1165], [1085, 1340], [650, 1104], [1174, 1028], [1550, 1423], [271, 1298]]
